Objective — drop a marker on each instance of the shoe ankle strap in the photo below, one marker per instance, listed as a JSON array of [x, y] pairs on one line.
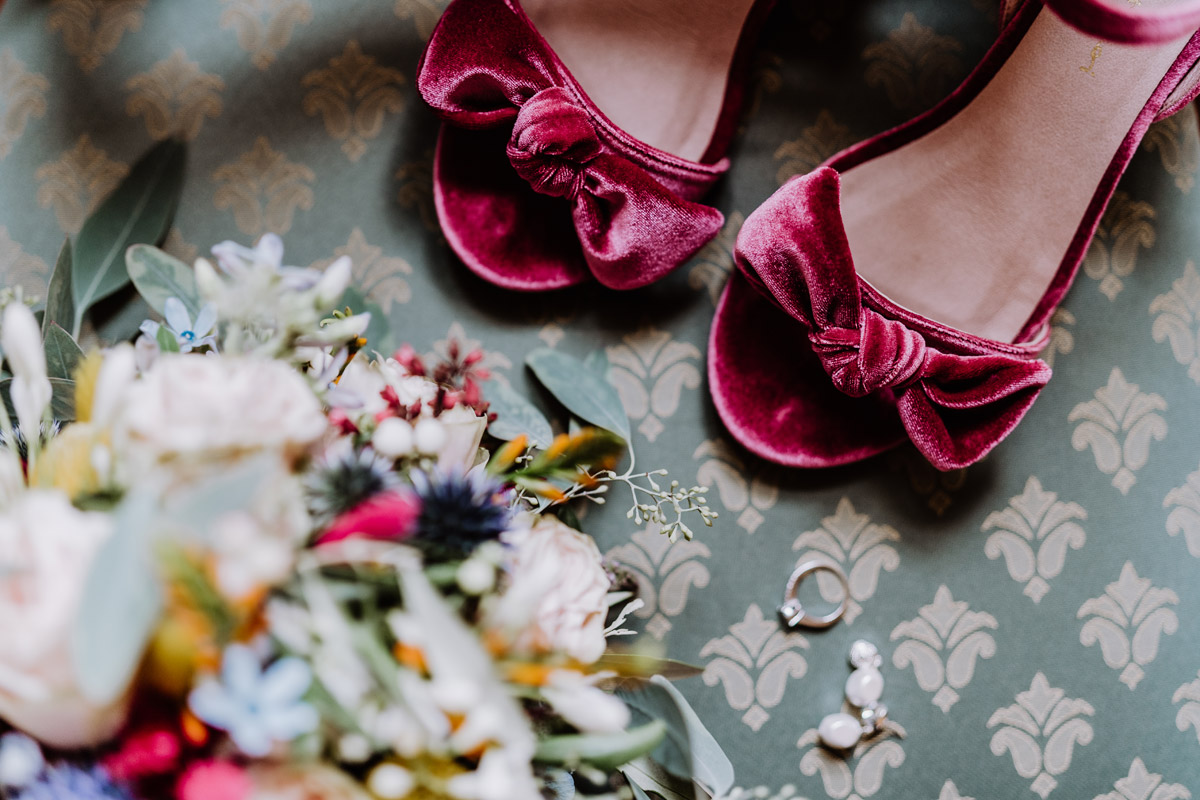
[[1119, 21]]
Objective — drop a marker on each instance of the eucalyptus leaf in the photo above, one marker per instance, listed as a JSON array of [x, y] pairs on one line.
[[638, 792], [62, 353], [159, 276], [60, 308], [120, 606], [639, 664], [196, 508], [379, 332], [62, 398], [688, 751], [651, 777], [578, 387], [597, 362], [138, 211], [602, 750], [515, 416], [166, 340]]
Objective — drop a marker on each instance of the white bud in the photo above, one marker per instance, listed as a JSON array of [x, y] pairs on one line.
[[390, 782], [354, 748], [21, 760], [429, 436], [333, 282], [208, 282], [116, 374], [393, 438], [475, 576], [22, 342]]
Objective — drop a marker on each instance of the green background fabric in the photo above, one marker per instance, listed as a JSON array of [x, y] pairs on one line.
[[1038, 612]]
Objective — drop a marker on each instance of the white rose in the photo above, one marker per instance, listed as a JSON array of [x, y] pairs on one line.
[[205, 408], [46, 551], [464, 432], [563, 566]]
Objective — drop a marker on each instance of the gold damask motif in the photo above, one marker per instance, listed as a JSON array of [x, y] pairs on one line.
[[264, 189], [914, 65], [353, 95], [1127, 225], [815, 144], [19, 268], [1141, 784], [859, 546], [177, 246], [423, 13], [1118, 426], [416, 190], [713, 264], [378, 276], [950, 792], [76, 183], [264, 27], [1061, 339], [927, 481], [91, 29], [857, 776], [1178, 312], [1128, 620], [664, 572], [765, 79], [745, 491], [651, 370], [1040, 733], [1175, 140], [1033, 535], [942, 644], [1185, 516], [174, 97], [1189, 712], [753, 662], [22, 96]]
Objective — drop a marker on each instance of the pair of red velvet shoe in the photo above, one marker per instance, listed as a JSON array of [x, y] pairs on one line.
[[958, 220]]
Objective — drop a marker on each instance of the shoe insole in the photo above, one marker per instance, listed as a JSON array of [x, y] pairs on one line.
[[968, 224], [656, 68]]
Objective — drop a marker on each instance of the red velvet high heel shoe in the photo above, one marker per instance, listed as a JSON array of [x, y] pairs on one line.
[[537, 188], [903, 289]]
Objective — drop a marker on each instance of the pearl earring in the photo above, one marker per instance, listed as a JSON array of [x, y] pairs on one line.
[[864, 687]]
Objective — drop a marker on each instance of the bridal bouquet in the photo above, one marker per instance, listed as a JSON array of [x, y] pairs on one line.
[[246, 554]]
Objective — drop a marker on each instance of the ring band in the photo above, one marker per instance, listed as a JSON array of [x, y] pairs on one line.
[[794, 614]]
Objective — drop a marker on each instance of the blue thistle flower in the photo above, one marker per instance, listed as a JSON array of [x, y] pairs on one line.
[[69, 782], [344, 481], [458, 513]]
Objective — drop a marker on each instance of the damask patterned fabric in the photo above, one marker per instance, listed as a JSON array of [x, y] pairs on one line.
[[1039, 613]]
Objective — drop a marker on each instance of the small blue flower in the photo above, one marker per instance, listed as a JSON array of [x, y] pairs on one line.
[[68, 782], [237, 261], [256, 707], [188, 335]]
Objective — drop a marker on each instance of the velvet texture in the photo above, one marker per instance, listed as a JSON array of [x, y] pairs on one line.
[[534, 188], [955, 396], [1130, 23]]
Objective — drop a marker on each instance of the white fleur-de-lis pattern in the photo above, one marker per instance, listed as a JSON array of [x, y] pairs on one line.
[[1128, 621], [285, 134], [1033, 536], [942, 645], [1040, 733]]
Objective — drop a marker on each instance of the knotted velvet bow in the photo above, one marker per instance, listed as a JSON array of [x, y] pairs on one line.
[[955, 407], [486, 67]]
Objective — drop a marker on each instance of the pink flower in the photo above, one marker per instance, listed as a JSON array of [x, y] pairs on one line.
[[143, 754], [392, 515], [209, 780]]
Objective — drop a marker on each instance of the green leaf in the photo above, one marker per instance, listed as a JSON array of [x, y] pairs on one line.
[[597, 362], [688, 751], [62, 398], [651, 777], [602, 750], [580, 389], [138, 211], [158, 276], [166, 340], [515, 416], [646, 665], [638, 792], [60, 309], [62, 353], [379, 332], [121, 603]]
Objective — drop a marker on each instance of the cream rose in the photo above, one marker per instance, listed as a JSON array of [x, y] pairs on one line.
[[464, 432], [46, 550], [207, 408], [568, 614]]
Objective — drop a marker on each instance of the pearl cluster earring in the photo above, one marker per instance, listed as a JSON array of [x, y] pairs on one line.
[[864, 687]]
